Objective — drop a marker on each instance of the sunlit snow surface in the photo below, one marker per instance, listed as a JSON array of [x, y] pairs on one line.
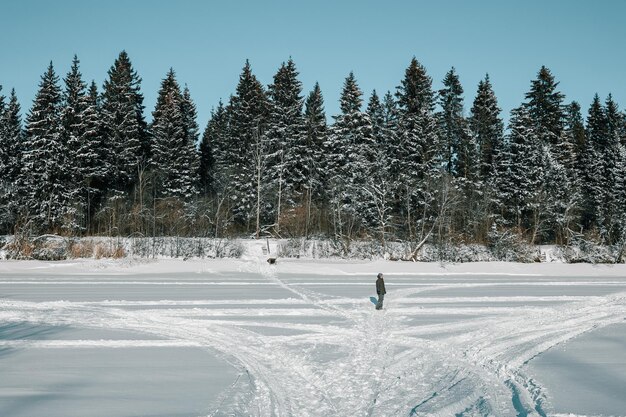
[[301, 338]]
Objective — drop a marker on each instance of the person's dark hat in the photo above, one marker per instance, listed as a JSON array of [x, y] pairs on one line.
[[380, 275]]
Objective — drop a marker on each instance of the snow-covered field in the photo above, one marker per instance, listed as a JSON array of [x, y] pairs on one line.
[[301, 338]]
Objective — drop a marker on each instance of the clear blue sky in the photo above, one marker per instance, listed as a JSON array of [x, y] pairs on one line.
[[207, 43]]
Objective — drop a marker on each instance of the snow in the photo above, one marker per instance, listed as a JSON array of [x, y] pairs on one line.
[[301, 338]]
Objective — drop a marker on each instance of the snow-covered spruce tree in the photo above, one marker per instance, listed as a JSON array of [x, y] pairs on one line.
[[376, 113], [216, 170], [589, 171], [560, 199], [519, 182], [5, 186], [76, 135], [11, 148], [574, 131], [92, 154], [378, 214], [45, 198], [417, 173], [123, 126], [461, 160], [173, 159], [350, 158], [486, 126], [545, 107], [286, 158], [247, 143], [487, 130], [213, 153], [315, 131], [190, 158], [597, 167], [620, 196], [611, 155], [452, 125], [390, 112]]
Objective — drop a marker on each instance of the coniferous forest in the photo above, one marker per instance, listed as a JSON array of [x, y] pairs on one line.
[[412, 164]]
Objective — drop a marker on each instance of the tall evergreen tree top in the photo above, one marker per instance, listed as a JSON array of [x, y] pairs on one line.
[[169, 90], [415, 93], [12, 117], [286, 91], [544, 103], [351, 95], [613, 117], [390, 107], [123, 83], [376, 112], [74, 102], [452, 95], [249, 104], [168, 84], [44, 114], [94, 97], [485, 117], [597, 123], [575, 126], [2, 115], [190, 116], [314, 107], [74, 85]]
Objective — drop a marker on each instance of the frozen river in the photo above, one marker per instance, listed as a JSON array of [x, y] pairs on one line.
[[301, 338]]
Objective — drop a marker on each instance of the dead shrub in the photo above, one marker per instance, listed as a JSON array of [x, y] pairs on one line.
[[82, 249], [20, 249], [104, 250], [118, 252]]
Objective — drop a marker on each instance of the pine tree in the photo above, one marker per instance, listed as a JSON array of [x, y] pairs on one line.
[[286, 175], [247, 143], [92, 154], [190, 156], [589, 171], [574, 137], [376, 113], [455, 140], [350, 148], [123, 125], [213, 152], [45, 198], [10, 160], [378, 187], [4, 159], [14, 137], [486, 126], [73, 132], [594, 169], [315, 130], [390, 112], [418, 150], [173, 151], [611, 170], [523, 173], [544, 105]]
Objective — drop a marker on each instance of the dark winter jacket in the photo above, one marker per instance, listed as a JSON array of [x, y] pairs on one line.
[[380, 286]]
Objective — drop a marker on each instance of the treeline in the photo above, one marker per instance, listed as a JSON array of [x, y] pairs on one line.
[[409, 165]]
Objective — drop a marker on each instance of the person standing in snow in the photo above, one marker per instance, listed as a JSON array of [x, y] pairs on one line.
[[380, 290]]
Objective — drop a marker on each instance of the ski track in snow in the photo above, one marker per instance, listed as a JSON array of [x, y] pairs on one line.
[[351, 360]]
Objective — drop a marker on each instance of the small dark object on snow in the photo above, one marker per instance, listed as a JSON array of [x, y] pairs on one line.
[[271, 261]]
